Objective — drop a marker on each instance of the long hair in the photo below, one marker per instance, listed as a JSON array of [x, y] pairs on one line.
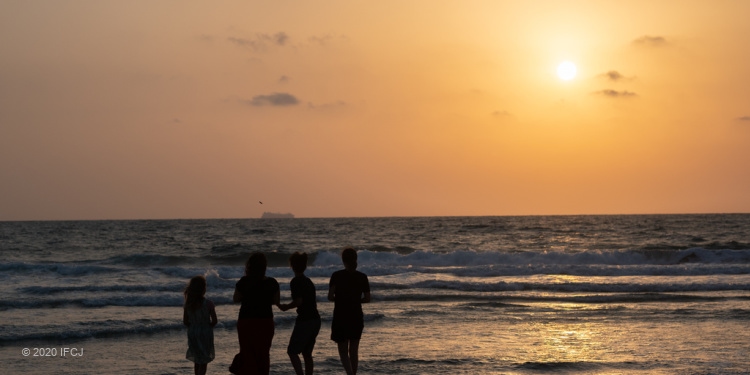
[[255, 267], [195, 292]]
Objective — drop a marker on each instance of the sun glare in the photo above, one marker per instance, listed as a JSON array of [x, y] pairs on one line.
[[566, 70]]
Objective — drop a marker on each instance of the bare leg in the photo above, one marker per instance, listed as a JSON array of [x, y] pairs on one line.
[[354, 354], [308, 363], [296, 363], [344, 355]]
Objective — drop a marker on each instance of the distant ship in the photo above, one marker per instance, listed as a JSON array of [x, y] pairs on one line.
[[275, 215]]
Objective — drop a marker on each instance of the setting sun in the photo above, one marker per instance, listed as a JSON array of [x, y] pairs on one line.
[[566, 108], [566, 70], [473, 187]]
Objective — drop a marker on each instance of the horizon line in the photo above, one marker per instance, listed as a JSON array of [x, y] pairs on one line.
[[373, 217]]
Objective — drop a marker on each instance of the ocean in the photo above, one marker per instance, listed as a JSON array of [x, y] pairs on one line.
[[621, 294]]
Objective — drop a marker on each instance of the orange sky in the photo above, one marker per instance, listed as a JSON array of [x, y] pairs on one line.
[[194, 109]]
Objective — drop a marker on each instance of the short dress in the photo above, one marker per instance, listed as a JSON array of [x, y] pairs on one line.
[[201, 334]]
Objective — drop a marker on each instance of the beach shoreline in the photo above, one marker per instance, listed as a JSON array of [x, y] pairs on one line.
[[489, 295]]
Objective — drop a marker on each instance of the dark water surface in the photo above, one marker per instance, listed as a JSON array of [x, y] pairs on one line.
[[565, 294]]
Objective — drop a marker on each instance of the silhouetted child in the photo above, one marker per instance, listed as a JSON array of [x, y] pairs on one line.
[[348, 289], [199, 315], [307, 325]]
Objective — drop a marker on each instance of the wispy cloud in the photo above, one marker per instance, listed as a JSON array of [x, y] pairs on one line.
[[330, 105], [614, 76], [284, 79], [502, 116], [616, 94], [278, 99], [743, 118], [206, 38], [280, 38], [322, 40], [326, 39], [261, 42], [651, 41]]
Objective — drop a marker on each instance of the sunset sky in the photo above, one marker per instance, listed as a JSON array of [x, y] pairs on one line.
[[202, 109]]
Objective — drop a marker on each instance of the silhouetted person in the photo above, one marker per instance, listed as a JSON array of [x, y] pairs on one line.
[[199, 315], [307, 325], [348, 289], [255, 327]]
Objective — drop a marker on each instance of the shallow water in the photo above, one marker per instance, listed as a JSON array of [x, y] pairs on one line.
[[580, 295]]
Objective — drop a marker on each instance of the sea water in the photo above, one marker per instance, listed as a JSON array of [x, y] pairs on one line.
[[653, 294]]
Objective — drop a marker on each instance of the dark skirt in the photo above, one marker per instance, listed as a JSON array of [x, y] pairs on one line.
[[256, 336]]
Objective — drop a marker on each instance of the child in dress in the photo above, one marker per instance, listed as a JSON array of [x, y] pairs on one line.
[[199, 315]]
